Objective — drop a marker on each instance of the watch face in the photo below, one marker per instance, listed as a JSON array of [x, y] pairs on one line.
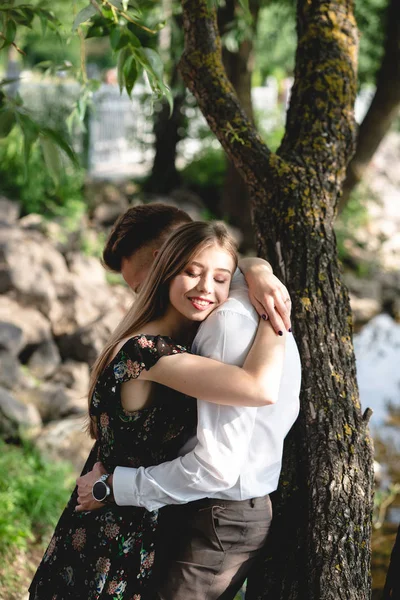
[[99, 491]]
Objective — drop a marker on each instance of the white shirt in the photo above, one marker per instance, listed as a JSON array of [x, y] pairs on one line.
[[237, 453]]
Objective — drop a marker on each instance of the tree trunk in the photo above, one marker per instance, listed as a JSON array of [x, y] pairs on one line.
[[322, 523], [235, 202], [164, 175], [384, 107]]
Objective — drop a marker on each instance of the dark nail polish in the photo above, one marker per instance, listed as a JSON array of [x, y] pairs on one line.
[[290, 330], [280, 332], [264, 317]]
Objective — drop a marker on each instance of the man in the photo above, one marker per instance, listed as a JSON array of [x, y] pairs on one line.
[[225, 474]]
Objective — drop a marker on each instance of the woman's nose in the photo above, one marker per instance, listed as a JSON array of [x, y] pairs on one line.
[[205, 284]]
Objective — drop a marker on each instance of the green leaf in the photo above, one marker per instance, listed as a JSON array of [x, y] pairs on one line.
[[116, 3], [51, 157], [121, 37], [154, 67], [7, 122], [84, 15], [155, 62], [30, 132], [9, 80], [23, 16], [122, 57], [61, 142], [10, 31], [97, 29], [130, 74]]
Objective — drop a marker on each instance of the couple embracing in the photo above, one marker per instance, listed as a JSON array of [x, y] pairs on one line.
[[173, 501]]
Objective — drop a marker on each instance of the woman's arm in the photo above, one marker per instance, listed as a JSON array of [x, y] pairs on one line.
[[267, 294], [255, 384]]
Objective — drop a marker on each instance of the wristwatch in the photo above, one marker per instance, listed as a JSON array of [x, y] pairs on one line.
[[101, 491]]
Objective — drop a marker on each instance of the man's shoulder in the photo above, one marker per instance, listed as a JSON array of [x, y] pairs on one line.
[[234, 316]]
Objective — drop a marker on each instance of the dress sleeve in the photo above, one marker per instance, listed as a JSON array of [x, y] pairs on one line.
[[142, 352]]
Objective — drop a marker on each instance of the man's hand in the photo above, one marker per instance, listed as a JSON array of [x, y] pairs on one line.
[[267, 294], [85, 486]]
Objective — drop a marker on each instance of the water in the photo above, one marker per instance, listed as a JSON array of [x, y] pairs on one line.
[[377, 349]]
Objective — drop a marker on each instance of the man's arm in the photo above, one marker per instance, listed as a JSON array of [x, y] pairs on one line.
[[267, 294], [223, 433]]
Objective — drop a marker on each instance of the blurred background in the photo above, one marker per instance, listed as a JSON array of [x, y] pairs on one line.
[[75, 153]]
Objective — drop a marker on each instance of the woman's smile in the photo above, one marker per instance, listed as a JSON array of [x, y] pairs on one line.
[[200, 303]]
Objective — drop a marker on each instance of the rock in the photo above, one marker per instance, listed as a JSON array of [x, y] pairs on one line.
[[33, 272], [73, 375], [34, 222], [15, 415], [11, 338], [10, 370], [54, 401], [66, 440], [34, 326], [45, 360], [86, 343], [87, 268], [9, 210], [83, 303], [365, 297], [363, 288], [364, 309], [108, 202], [107, 214]]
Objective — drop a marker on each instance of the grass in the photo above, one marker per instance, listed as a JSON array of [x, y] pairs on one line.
[[33, 493]]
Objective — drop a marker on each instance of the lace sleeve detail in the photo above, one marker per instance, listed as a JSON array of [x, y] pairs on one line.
[[142, 352]]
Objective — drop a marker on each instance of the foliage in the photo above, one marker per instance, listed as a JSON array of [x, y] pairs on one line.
[[275, 43], [370, 15], [39, 192], [33, 492], [15, 16], [206, 170]]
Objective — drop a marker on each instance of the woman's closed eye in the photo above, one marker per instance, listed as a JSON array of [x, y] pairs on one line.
[[192, 274]]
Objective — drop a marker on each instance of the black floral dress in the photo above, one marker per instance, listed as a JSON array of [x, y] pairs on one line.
[[108, 553]]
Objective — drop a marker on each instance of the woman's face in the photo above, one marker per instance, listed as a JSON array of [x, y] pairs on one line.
[[203, 284]]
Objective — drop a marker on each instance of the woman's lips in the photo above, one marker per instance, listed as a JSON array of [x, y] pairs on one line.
[[200, 303]]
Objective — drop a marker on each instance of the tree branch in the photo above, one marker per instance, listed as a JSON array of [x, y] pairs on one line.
[[384, 106], [324, 89], [204, 74]]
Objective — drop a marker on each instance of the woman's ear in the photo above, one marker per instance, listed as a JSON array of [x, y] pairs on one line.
[[155, 253]]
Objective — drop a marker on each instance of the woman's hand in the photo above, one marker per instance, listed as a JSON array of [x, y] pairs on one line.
[[267, 294], [85, 485]]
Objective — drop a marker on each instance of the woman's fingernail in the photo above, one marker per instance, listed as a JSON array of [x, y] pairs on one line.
[[280, 332], [264, 317], [290, 330]]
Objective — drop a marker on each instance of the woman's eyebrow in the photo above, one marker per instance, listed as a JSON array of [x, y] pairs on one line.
[[197, 264]]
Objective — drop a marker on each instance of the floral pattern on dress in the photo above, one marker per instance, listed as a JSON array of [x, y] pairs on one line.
[[109, 553]]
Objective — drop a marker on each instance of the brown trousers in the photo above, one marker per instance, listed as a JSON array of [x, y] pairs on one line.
[[207, 547]]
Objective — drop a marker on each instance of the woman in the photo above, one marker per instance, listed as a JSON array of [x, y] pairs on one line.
[[109, 552]]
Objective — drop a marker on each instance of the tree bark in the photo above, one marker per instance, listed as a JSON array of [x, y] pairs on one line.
[[322, 522], [384, 107]]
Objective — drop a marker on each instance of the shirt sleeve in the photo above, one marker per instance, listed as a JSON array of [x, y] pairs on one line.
[[223, 432]]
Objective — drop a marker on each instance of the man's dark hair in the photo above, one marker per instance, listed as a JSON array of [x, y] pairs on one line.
[[139, 226]]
